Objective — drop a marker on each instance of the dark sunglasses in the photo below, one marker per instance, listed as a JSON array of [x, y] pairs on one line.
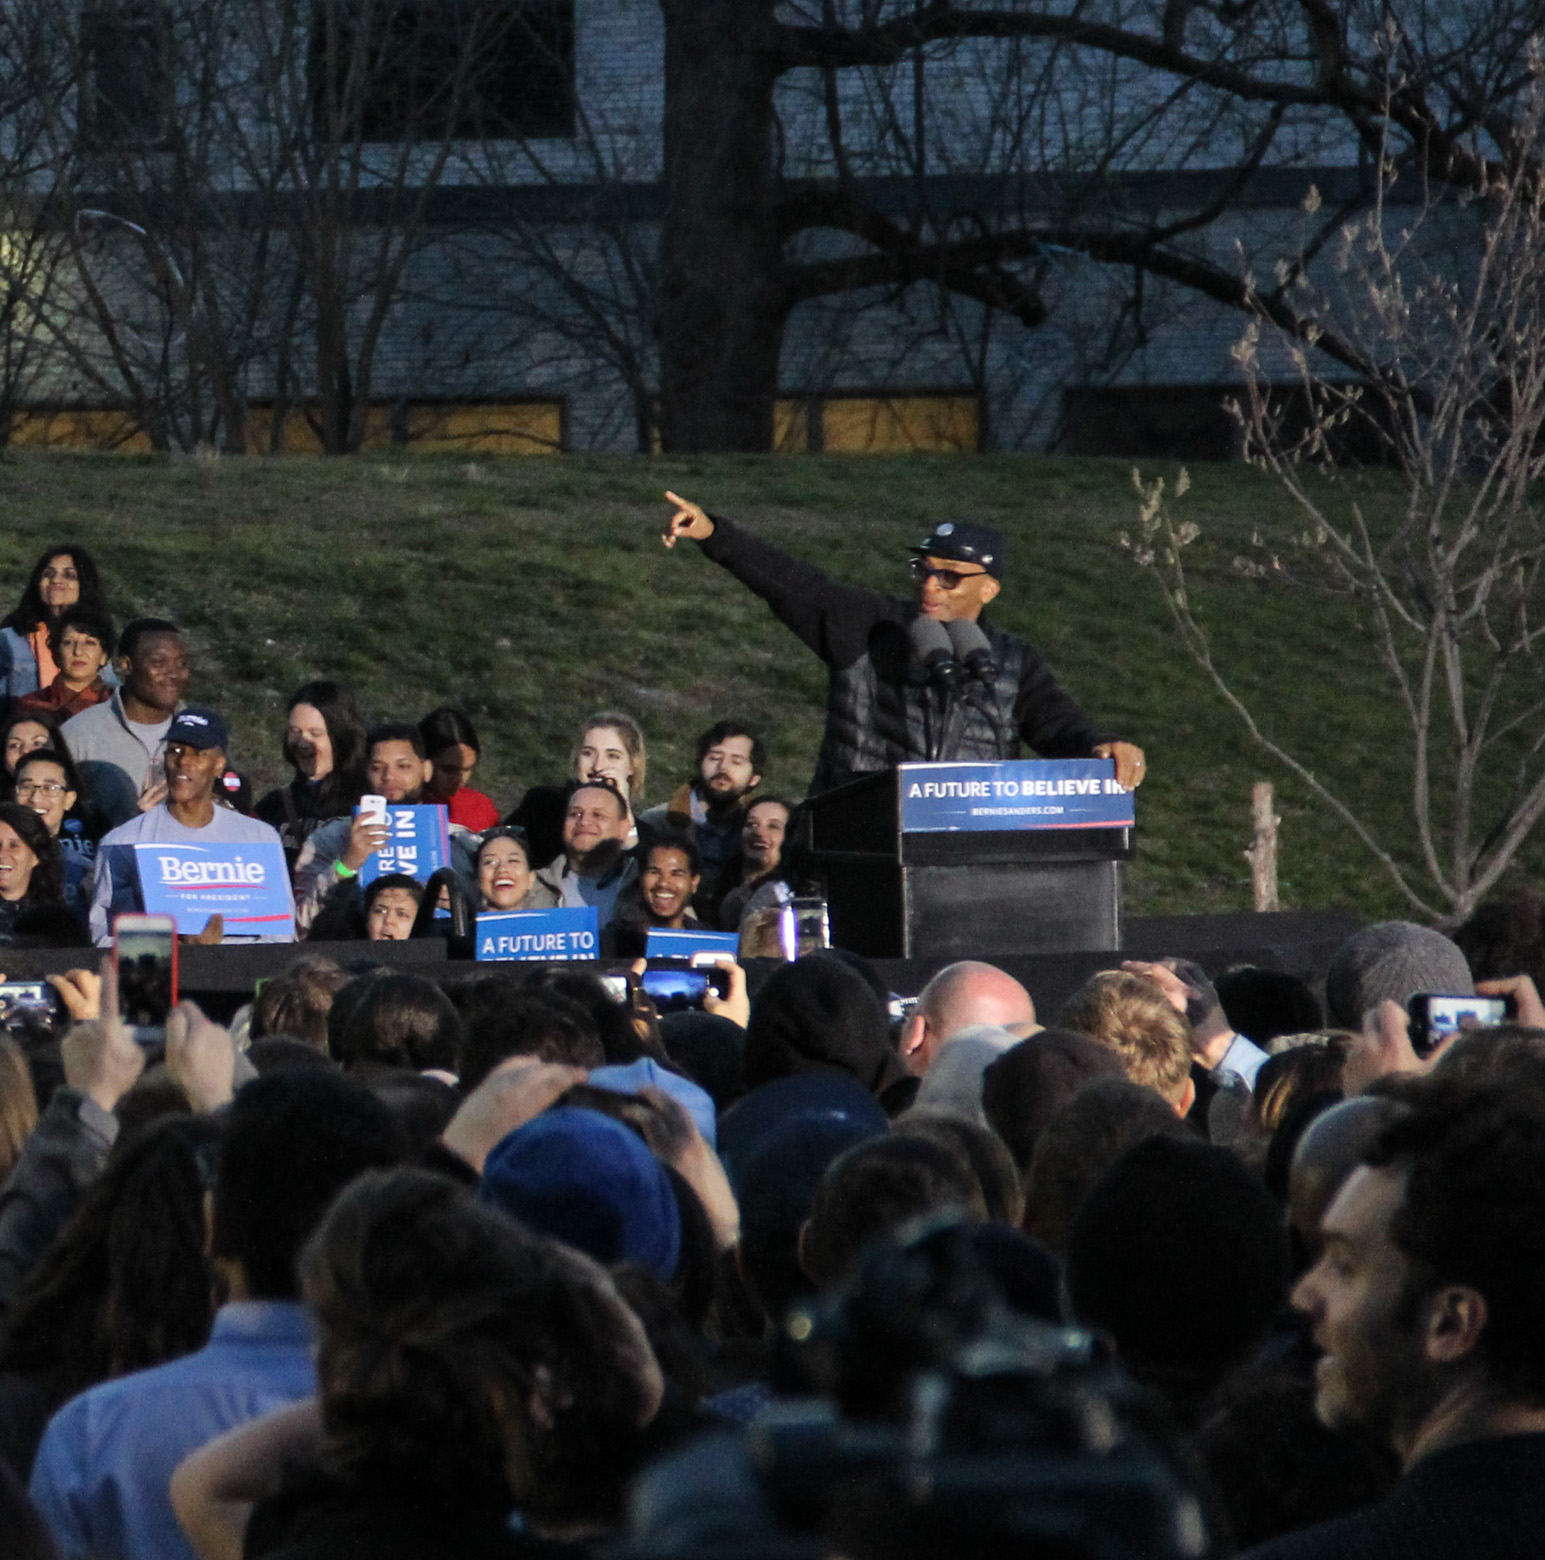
[[949, 579]]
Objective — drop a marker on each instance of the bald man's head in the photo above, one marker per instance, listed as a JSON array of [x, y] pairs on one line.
[[1331, 1148], [959, 997]]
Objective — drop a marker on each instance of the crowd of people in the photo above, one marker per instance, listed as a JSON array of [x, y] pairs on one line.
[[504, 1263], [102, 753]]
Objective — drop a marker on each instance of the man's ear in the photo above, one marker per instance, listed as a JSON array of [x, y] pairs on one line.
[[913, 1033], [1456, 1318], [428, 774], [990, 588], [1187, 1099]]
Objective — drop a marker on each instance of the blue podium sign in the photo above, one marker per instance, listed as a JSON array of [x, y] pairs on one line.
[[248, 884], [539, 934], [666, 942], [1022, 793], [418, 843]]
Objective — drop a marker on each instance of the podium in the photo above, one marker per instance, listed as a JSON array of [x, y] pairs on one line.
[[957, 861]]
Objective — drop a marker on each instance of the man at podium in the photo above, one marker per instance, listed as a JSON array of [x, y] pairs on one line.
[[921, 680]]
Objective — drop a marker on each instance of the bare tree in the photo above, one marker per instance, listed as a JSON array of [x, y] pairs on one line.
[[242, 221], [1155, 87], [32, 246], [1440, 297]]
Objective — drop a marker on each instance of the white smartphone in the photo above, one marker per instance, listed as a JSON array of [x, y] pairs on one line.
[[373, 805]]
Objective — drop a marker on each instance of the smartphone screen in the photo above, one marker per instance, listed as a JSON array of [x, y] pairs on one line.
[[804, 926], [1435, 1017], [145, 957], [21, 998], [676, 991]]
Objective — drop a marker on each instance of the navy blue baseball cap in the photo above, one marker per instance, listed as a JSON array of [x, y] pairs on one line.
[[197, 728], [965, 543]]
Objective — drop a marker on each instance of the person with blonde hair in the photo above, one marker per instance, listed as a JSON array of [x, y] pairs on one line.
[[1137, 1021], [610, 748]]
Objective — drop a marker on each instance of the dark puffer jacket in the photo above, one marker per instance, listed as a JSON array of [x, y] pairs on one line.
[[878, 710]]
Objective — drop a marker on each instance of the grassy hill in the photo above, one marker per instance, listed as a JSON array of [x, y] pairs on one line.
[[529, 591]]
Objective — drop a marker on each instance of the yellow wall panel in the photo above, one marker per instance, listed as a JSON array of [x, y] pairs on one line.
[[864, 425], [85, 428]]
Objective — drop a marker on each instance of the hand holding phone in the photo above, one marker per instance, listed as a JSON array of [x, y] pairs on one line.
[[367, 834], [100, 1057]]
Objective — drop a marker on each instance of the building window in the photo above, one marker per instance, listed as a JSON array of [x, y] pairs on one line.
[[878, 425], [126, 78], [422, 428], [408, 70]]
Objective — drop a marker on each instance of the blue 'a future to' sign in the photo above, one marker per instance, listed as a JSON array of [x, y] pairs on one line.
[[1021, 793], [539, 934]]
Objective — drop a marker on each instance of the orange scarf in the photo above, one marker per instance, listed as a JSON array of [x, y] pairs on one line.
[[47, 667]]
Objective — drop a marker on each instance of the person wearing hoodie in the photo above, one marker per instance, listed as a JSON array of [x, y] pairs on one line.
[[820, 1015]]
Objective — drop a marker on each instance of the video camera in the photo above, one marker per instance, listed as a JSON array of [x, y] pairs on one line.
[[934, 1421]]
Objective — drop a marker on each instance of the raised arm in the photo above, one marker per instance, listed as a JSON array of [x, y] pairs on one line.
[[831, 618]]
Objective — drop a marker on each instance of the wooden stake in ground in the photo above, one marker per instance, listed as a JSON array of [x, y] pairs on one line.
[[1262, 854]]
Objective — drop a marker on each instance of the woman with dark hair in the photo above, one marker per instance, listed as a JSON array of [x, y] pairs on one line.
[[125, 1285], [324, 742], [48, 783], [81, 641], [506, 875], [451, 743], [31, 873], [465, 1367], [63, 577], [20, 733], [755, 863]]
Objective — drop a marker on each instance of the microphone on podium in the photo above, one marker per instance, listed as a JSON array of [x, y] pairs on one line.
[[972, 649], [934, 652]]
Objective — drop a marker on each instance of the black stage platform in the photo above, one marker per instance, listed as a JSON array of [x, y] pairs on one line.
[[1296, 942]]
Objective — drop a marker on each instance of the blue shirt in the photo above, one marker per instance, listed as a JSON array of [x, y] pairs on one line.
[[1244, 1058], [102, 1476]]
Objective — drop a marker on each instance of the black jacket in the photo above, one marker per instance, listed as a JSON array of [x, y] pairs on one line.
[[1480, 1500], [879, 711]]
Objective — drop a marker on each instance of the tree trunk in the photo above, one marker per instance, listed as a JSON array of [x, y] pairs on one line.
[[722, 302]]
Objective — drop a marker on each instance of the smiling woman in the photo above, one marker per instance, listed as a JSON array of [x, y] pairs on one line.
[[324, 743], [505, 877], [63, 576], [31, 876], [22, 734]]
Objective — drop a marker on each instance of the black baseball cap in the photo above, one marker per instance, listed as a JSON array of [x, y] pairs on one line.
[[201, 729], [965, 542]]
